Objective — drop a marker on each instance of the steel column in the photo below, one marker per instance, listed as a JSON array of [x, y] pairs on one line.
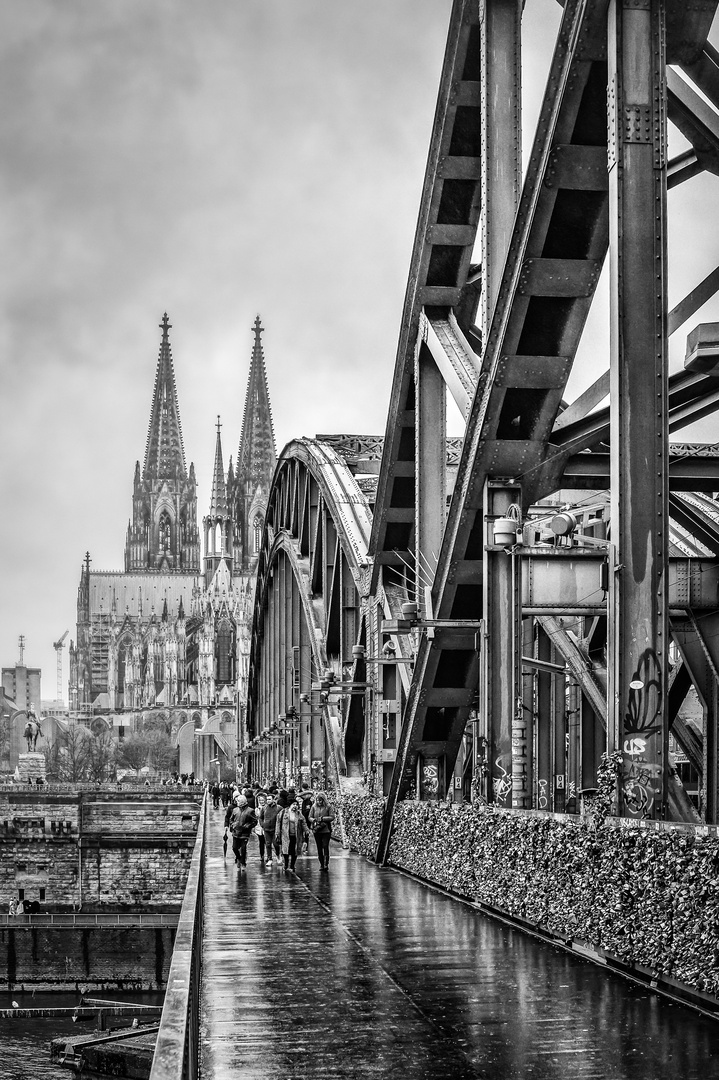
[[543, 724], [500, 36], [430, 467], [573, 782], [522, 763], [639, 373], [559, 739], [501, 677], [698, 642]]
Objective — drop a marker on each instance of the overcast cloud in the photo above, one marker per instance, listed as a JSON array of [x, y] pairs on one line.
[[213, 160]]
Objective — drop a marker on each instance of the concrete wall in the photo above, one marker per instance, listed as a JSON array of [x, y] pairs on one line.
[[96, 850]]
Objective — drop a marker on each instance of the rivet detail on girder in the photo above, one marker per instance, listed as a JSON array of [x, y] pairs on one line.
[[637, 123], [611, 122]]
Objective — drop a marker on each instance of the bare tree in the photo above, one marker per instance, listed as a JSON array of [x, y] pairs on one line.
[[133, 752], [101, 752], [163, 753], [69, 757], [5, 728]]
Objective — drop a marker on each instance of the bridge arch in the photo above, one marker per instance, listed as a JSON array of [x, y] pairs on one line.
[[312, 575]]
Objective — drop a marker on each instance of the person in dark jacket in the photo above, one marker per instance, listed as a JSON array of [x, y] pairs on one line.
[[268, 821], [242, 821], [306, 798], [321, 818]]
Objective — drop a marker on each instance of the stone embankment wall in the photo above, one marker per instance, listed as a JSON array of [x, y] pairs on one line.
[[86, 959], [96, 850], [92, 851], [639, 896]]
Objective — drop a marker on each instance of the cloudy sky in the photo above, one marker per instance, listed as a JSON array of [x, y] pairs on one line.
[[213, 160]]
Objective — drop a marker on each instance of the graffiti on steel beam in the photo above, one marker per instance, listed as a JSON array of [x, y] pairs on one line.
[[501, 784], [641, 776]]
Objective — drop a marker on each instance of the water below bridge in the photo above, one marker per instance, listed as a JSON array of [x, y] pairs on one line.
[[363, 972]]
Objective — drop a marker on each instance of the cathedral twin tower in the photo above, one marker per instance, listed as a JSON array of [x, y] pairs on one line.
[[163, 534], [167, 633]]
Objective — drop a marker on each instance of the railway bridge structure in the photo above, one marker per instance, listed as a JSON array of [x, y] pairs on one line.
[[499, 651], [486, 616]]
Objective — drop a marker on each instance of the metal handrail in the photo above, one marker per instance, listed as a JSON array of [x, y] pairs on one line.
[[185, 790], [177, 1049], [115, 918]]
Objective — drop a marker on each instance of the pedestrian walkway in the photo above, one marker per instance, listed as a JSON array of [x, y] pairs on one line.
[[363, 972]]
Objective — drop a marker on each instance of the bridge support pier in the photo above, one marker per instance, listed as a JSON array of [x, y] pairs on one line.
[[638, 388], [500, 690]]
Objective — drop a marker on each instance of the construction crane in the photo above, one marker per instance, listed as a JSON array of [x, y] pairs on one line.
[[58, 646]]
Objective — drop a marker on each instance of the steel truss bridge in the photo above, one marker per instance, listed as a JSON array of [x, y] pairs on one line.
[[486, 616]]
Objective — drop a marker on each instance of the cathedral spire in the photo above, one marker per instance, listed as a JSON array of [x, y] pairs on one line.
[[256, 456], [163, 534], [255, 465], [218, 523], [218, 502], [164, 452]]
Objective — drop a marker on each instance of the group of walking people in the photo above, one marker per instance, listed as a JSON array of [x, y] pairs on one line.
[[282, 821]]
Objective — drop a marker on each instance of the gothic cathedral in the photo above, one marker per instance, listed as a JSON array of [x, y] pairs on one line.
[[167, 639]]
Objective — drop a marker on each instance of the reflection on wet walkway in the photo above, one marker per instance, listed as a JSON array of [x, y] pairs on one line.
[[364, 973]]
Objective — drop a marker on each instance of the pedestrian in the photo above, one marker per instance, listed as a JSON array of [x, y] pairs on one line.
[[268, 821], [321, 818], [282, 804], [306, 798], [291, 829], [242, 822], [260, 805]]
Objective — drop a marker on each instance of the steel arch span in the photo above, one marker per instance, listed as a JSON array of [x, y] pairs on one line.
[[311, 577], [486, 617]]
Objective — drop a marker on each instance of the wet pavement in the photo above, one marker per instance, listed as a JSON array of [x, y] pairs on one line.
[[362, 972]]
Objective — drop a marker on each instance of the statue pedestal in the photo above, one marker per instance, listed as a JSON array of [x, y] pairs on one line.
[[30, 767]]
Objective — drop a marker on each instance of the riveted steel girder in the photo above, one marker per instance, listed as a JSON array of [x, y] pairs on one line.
[[638, 377], [538, 316], [517, 432]]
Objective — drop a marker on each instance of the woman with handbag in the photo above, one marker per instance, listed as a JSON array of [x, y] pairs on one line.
[[321, 817]]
